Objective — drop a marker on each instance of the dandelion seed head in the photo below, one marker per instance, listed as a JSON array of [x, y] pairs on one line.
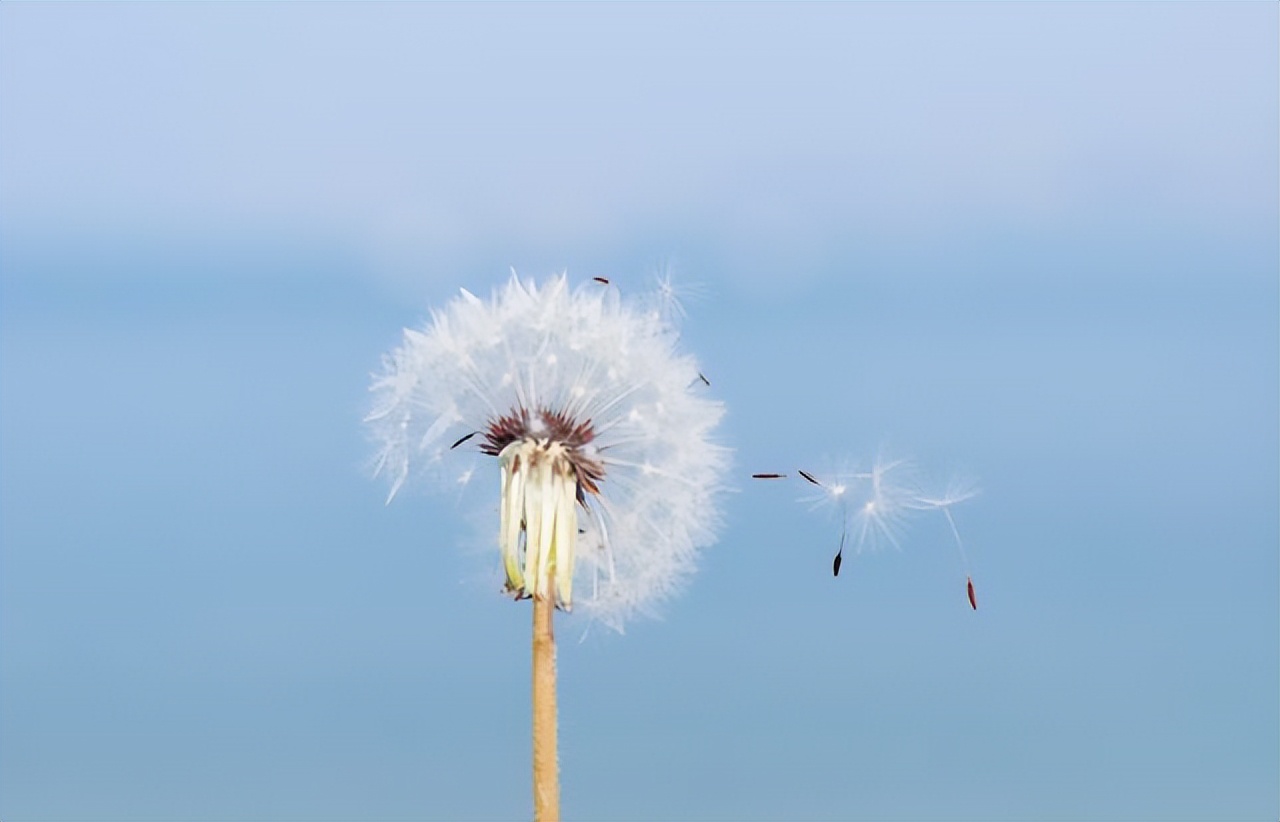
[[609, 475]]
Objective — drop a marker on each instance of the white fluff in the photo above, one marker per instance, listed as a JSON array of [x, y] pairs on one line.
[[590, 354]]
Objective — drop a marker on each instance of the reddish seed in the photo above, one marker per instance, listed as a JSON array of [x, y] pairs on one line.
[[835, 566], [601, 280], [809, 477], [768, 476], [973, 599]]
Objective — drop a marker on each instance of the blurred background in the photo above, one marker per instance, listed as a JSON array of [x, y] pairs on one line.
[[1034, 244]]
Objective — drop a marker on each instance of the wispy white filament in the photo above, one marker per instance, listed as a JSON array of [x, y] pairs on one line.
[[594, 357], [875, 504]]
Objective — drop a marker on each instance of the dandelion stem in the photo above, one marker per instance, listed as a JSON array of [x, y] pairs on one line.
[[546, 767]]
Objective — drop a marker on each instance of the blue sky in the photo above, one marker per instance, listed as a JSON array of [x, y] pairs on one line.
[[1031, 243]]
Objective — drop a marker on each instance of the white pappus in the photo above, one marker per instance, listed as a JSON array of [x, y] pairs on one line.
[[608, 470]]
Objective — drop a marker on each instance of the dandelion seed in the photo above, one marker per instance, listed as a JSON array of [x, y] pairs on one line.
[[958, 491], [809, 477], [887, 493], [670, 297], [768, 476], [462, 439], [601, 280]]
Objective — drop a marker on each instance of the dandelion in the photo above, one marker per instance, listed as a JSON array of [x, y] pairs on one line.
[[607, 471]]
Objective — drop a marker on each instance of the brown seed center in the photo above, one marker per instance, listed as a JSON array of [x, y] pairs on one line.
[[545, 425]]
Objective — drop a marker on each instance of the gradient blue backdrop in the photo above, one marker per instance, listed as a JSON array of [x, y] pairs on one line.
[[1034, 243]]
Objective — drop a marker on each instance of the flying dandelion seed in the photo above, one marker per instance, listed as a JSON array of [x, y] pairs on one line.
[[831, 493], [958, 491], [886, 494], [670, 296], [608, 473]]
